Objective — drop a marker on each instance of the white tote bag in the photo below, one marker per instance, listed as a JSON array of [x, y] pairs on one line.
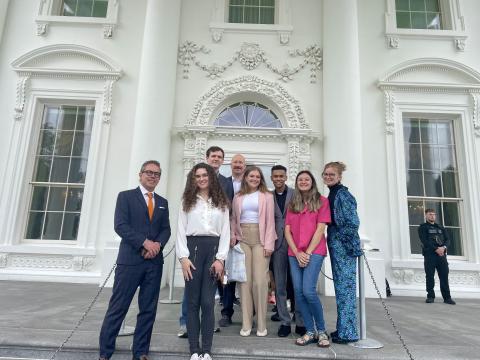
[[235, 265]]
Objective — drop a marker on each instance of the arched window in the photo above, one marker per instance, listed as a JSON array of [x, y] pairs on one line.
[[248, 114]]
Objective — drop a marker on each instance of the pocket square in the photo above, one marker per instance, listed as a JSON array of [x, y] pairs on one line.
[[161, 207]]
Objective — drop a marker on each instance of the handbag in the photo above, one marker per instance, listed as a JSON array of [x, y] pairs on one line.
[[235, 265]]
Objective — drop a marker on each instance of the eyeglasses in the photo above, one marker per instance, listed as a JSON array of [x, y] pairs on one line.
[[152, 173]]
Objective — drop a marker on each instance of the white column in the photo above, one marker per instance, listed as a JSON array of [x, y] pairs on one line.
[[156, 88], [341, 92], [3, 16]]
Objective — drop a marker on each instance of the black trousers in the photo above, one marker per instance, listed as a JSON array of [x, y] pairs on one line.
[[439, 263], [200, 292]]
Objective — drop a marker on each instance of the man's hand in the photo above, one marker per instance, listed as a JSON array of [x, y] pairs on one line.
[[152, 249], [440, 251], [187, 267]]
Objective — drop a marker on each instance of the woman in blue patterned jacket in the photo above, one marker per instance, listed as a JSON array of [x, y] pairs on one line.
[[344, 248]]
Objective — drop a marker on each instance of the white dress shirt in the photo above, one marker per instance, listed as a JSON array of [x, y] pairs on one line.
[[145, 195], [203, 220]]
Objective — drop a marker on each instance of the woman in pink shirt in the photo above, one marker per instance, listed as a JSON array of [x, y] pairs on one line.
[[253, 225], [307, 215]]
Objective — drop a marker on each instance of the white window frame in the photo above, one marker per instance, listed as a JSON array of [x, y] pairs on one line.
[[41, 83], [47, 8], [282, 28], [452, 19], [408, 89]]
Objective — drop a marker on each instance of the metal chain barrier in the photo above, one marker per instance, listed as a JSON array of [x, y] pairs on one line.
[[387, 311], [82, 318]]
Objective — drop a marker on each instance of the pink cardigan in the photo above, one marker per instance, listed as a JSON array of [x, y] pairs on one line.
[[266, 220]]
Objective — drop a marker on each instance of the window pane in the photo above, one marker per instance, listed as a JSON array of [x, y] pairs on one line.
[[431, 158], [432, 5], [413, 157], [251, 15], [415, 212], [433, 184], [451, 217], [417, 5], [85, 8], [237, 2], [74, 199], [53, 223], [100, 8], [252, 2], [69, 7], [434, 21], [42, 171], [235, 14], [78, 171], [63, 146], [403, 20], [47, 142], [415, 243], [39, 198], [414, 183], [449, 180], [51, 118], [267, 15], [411, 131], [68, 115], [60, 169], [56, 200], [270, 3], [81, 145], [455, 247], [447, 158], [402, 5], [34, 227], [419, 20], [445, 133], [428, 132], [70, 226]]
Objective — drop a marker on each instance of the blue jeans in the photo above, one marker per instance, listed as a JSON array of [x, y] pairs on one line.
[[183, 316], [305, 288]]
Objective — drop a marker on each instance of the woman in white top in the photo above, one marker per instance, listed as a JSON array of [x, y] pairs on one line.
[[253, 225], [203, 238]]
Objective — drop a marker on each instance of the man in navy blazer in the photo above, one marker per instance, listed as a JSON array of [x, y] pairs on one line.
[[142, 221]]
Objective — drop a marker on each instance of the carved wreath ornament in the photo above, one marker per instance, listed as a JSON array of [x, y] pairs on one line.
[[250, 56]]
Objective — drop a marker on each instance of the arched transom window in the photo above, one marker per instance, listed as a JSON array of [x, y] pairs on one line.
[[248, 114]]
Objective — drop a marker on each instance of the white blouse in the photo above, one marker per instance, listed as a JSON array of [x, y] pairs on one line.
[[203, 220], [249, 214]]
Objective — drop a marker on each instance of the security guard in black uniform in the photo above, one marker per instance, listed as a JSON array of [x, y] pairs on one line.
[[435, 242]]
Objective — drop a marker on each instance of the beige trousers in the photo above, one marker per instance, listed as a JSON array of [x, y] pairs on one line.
[[253, 292]]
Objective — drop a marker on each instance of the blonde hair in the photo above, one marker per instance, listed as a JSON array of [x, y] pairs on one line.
[[337, 165], [262, 187]]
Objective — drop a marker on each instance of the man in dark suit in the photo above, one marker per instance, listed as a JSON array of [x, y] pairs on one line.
[[282, 196], [141, 220], [233, 182]]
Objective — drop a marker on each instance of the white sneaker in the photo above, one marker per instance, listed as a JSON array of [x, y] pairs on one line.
[[195, 356], [262, 333], [182, 332], [245, 332], [206, 356]]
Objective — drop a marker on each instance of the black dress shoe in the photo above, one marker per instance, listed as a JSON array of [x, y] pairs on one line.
[[449, 301], [225, 321], [300, 330], [102, 358], [274, 309], [430, 300], [142, 357], [275, 317], [284, 331]]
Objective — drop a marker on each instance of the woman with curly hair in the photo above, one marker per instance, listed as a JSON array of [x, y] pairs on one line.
[[253, 225], [203, 238], [344, 248], [307, 215]]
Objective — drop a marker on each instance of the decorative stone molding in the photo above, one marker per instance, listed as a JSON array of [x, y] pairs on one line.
[[82, 263], [49, 14], [293, 156], [451, 11], [476, 112], [417, 277], [42, 28], [389, 112], [3, 260], [78, 62], [250, 56], [204, 108]]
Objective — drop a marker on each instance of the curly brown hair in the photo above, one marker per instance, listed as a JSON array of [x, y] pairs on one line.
[[215, 191]]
